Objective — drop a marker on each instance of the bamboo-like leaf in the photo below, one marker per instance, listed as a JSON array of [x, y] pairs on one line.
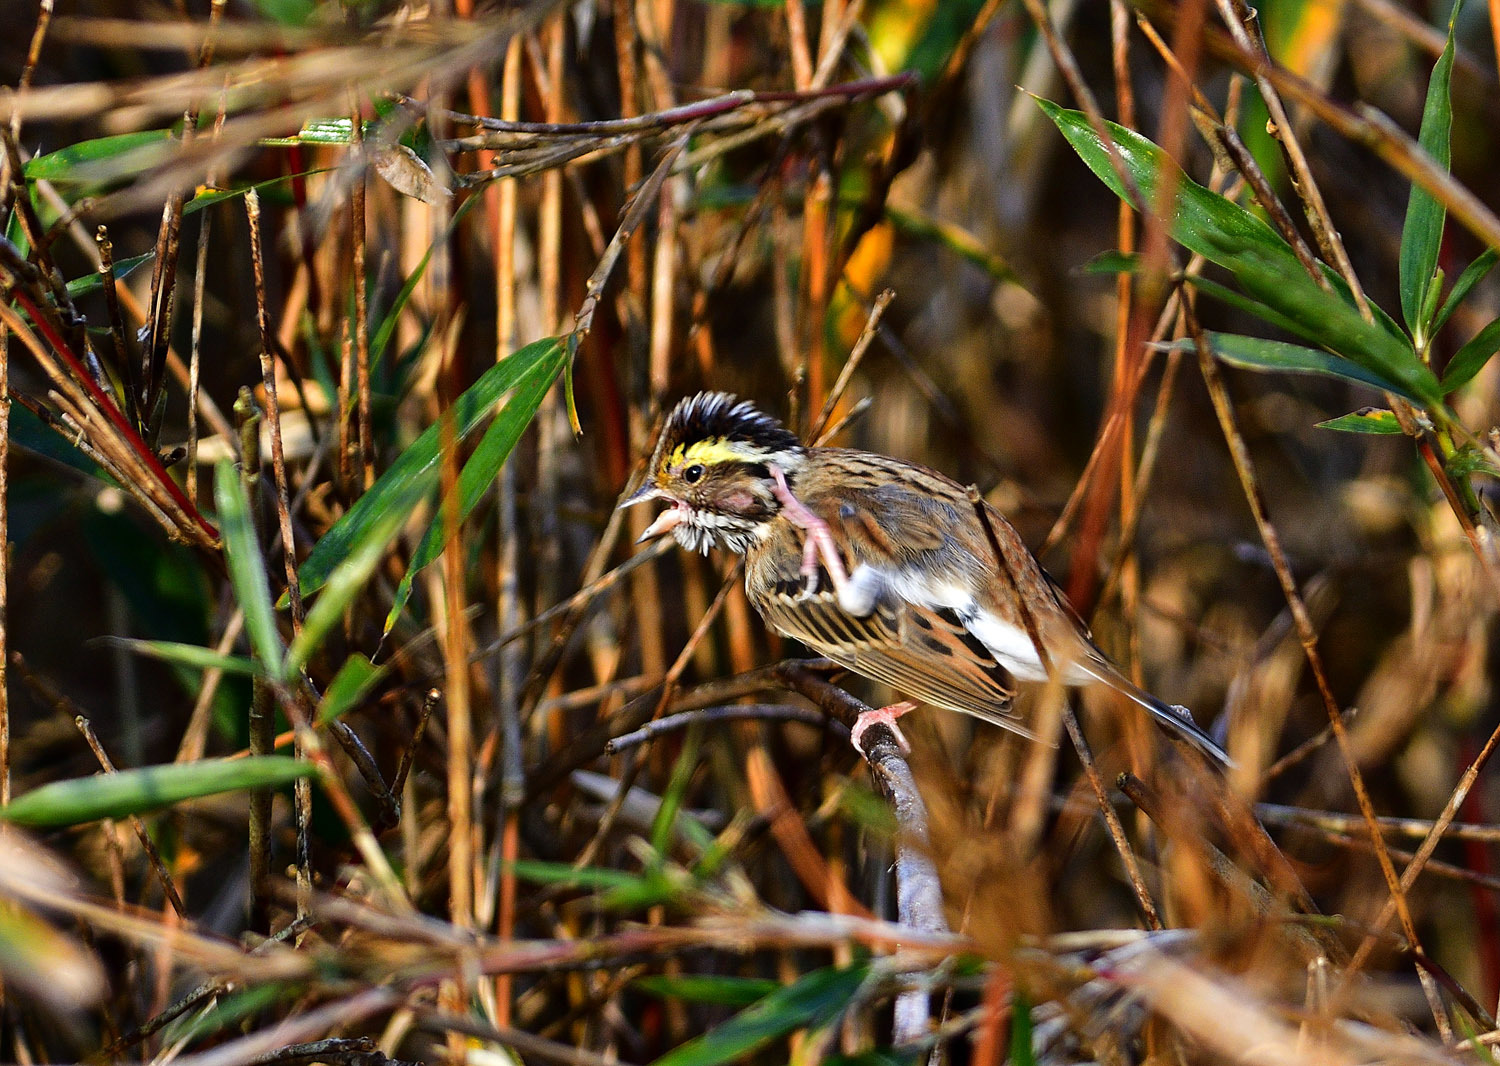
[[820, 997], [1473, 274], [350, 685], [1262, 264], [479, 473], [87, 799], [343, 585], [1470, 359], [71, 164], [563, 875], [190, 655], [1257, 353], [1422, 232], [722, 990], [321, 131], [1365, 420], [247, 569], [415, 474], [387, 329], [91, 282]]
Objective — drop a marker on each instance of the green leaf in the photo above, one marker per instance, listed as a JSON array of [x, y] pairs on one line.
[[247, 570], [1422, 233], [387, 329], [95, 281], [1263, 265], [320, 131], [288, 12], [724, 991], [416, 472], [1113, 262], [1470, 460], [1470, 359], [562, 875], [227, 1011], [350, 685], [61, 167], [343, 586], [87, 799], [190, 655], [479, 473], [1256, 353], [268, 189], [1021, 1051], [31, 433], [1473, 274], [1365, 420], [820, 997]]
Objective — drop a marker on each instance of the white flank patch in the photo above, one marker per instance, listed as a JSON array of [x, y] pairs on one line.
[[860, 592], [1010, 645]]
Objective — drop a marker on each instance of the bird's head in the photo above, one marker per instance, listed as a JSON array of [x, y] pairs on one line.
[[712, 464]]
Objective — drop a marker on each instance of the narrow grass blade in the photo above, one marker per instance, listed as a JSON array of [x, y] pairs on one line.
[[189, 655], [1470, 359], [415, 474], [1422, 232], [820, 997], [1256, 353], [71, 165], [247, 569], [87, 799], [1263, 265], [93, 281], [1365, 420], [1473, 274], [723, 991], [339, 592], [354, 680], [387, 328], [563, 875], [479, 473]]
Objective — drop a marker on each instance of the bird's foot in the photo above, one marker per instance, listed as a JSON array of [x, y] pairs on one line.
[[883, 716], [819, 545]]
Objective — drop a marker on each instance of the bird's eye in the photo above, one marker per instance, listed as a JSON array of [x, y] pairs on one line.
[[693, 473]]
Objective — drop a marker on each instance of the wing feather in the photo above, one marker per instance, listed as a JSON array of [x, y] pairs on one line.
[[924, 655]]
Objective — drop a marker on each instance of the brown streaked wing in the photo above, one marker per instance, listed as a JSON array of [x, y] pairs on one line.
[[919, 653]]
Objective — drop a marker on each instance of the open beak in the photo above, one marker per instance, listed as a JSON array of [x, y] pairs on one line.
[[665, 521]]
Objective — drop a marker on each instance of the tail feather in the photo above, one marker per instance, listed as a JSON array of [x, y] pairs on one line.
[[1179, 719]]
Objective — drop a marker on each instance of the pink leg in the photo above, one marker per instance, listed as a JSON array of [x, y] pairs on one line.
[[885, 716], [819, 541]]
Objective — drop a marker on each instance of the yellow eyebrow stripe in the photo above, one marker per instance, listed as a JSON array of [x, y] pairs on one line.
[[717, 450]]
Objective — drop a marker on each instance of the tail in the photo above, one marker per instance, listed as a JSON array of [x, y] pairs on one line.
[[1179, 719]]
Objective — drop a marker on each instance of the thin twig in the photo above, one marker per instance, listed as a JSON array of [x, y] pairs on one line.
[[153, 856], [1070, 720]]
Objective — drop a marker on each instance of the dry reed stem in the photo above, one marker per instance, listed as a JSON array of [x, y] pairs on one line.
[[1244, 467], [1070, 720], [153, 855]]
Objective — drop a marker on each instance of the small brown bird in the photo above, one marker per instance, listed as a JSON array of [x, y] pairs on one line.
[[879, 564]]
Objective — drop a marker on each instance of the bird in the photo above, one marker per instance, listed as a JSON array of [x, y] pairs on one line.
[[888, 568]]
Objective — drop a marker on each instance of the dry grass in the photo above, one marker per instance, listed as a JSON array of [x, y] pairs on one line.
[[482, 864]]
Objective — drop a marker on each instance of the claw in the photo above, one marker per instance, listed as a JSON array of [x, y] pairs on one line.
[[883, 716], [819, 545]]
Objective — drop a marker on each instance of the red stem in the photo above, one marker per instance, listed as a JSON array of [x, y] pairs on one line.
[[112, 412]]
